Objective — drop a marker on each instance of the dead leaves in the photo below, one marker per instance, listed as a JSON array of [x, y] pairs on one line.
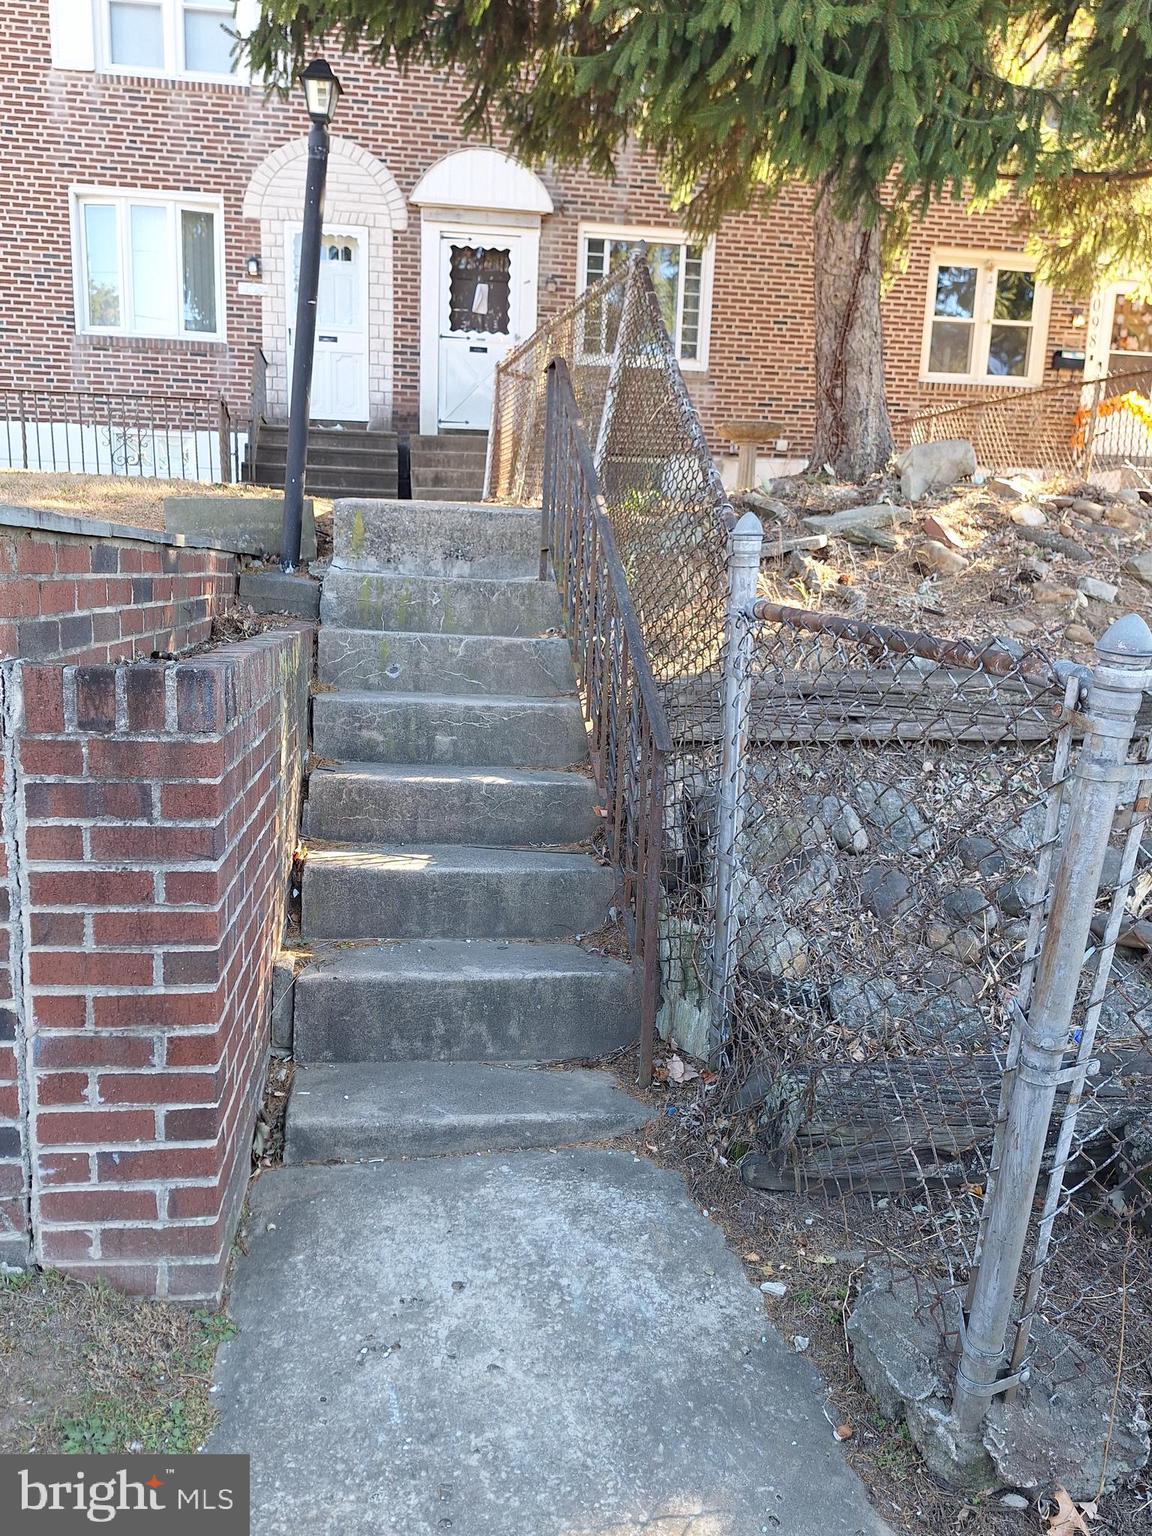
[[1068, 1518], [677, 1071], [680, 1071]]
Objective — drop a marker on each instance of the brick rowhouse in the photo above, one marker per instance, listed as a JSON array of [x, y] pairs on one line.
[[149, 819], [76, 128]]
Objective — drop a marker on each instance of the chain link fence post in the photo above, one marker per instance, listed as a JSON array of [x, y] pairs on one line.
[[1114, 693], [745, 543]]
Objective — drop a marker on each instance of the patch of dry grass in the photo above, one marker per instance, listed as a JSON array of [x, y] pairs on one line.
[[133, 500], [85, 1370]]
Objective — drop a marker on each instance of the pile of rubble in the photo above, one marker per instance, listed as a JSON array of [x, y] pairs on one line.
[[1045, 565]]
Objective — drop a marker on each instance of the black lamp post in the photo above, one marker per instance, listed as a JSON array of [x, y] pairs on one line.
[[321, 91]]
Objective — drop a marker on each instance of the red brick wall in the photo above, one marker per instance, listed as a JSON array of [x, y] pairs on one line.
[[157, 807], [70, 128], [13, 1166], [97, 600]]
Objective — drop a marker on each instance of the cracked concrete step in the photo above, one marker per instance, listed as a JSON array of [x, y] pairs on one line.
[[451, 1000], [354, 1111], [434, 537], [362, 727], [488, 806], [404, 661], [451, 891], [439, 605]]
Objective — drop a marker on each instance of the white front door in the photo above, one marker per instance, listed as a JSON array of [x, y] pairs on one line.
[[480, 287], [340, 362]]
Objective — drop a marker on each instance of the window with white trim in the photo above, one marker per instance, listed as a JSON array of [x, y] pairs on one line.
[[681, 274], [986, 321], [148, 265], [191, 38]]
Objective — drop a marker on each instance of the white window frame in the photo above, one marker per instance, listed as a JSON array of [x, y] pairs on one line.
[[988, 263], [656, 235], [122, 200], [172, 67]]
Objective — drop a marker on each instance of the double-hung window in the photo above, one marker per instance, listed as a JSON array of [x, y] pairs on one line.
[[148, 265], [168, 37], [987, 320], [681, 274]]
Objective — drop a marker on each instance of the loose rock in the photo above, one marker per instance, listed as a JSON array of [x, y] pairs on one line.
[[834, 524], [934, 556], [1079, 634], [886, 892], [1016, 898], [1099, 591], [1028, 516], [1123, 519], [981, 855], [927, 465], [1140, 566], [967, 905], [892, 813], [844, 824]]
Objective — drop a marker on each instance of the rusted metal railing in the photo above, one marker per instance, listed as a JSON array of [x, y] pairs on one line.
[[630, 739]]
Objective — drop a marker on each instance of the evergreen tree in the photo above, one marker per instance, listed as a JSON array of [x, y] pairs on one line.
[[880, 105]]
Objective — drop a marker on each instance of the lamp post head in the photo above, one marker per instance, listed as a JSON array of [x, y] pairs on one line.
[[322, 90]]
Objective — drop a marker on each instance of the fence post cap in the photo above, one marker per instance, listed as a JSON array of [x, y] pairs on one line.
[[1125, 638], [748, 527]]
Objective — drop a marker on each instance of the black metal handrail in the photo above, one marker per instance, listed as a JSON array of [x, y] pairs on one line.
[[630, 736]]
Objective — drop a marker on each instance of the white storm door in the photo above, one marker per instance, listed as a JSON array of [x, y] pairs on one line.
[[480, 283], [340, 362]]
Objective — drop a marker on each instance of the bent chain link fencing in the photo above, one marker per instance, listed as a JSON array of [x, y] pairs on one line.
[[900, 882], [1086, 430]]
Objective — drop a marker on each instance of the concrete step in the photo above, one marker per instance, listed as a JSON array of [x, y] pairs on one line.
[[321, 437], [363, 727], [442, 493], [337, 479], [448, 891], [449, 442], [436, 605], [403, 661], [356, 455], [454, 1000], [488, 806], [439, 472], [359, 1110], [442, 537]]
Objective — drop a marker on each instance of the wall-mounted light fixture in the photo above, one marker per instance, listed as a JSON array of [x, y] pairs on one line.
[[254, 266], [1078, 318]]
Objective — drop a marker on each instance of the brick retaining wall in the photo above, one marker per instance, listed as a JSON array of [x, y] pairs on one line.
[[83, 598], [148, 819]]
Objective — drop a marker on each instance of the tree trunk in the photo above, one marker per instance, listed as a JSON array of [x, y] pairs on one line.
[[853, 433]]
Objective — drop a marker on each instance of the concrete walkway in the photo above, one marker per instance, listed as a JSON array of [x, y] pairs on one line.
[[516, 1344]]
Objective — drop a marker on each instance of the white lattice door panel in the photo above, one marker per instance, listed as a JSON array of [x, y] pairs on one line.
[[480, 279]]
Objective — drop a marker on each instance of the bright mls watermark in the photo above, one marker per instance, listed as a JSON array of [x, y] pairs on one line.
[[60, 1495]]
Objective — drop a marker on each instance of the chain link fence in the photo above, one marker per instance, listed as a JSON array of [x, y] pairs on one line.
[[897, 893], [1081, 430], [907, 890]]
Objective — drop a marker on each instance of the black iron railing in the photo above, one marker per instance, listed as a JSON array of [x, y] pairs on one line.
[[91, 432]]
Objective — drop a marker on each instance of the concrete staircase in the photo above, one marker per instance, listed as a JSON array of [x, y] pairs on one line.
[[447, 873], [448, 467], [342, 461]]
